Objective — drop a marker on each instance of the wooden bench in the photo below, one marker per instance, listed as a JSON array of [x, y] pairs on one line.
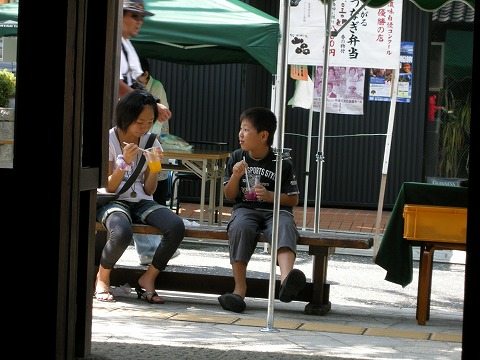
[[316, 293]]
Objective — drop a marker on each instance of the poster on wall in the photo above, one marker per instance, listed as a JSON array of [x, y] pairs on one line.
[[404, 90], [380, 84], [370, 39], [380, 80], [344, 90]]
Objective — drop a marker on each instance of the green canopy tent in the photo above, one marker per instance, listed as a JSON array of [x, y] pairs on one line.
[[9, 12], [208, 32], [8, 19], [8, 28], [198, 32]]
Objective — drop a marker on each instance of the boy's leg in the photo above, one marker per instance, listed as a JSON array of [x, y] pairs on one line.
[[286, 261], [292, 281], [243, 231], [239, 270], [235, 301]]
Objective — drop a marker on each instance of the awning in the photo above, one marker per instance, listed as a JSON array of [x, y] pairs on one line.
[[454, 12]]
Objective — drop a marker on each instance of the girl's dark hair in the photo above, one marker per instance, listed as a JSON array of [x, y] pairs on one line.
[[262, 119], [130, 106]]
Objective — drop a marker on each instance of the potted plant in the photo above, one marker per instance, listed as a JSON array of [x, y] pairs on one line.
[[455, 139], [8, 83]]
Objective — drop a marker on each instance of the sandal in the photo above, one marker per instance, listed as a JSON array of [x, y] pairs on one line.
[[108, 298], [232, 302], [148, 296], [293, 283]]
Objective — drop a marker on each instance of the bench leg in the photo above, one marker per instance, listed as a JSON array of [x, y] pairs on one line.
[[319, 304], [424, 284]]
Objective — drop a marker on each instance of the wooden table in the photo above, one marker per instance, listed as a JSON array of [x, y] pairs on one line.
[[209, 165], [395, 251]]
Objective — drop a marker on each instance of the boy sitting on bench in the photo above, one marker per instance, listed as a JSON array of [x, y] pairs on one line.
[[252, 211]]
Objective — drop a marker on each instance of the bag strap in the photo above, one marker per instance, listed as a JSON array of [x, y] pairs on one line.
[[139, 167]]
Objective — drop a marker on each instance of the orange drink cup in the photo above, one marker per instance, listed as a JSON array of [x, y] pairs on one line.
[[154, 163]]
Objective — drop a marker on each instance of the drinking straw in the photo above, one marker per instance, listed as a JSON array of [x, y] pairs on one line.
[[139, 148], [144, 149], [246, 178]]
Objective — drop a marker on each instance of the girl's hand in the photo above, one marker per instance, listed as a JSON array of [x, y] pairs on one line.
[[130, 151], [156, 151]]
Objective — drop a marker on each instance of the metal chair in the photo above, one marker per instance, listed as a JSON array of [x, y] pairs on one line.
[[180, 177]]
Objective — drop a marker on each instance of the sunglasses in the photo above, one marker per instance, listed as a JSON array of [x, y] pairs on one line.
[[136, 16]]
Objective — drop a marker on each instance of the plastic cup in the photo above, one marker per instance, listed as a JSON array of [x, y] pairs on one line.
[[154, 163], [251, 195], [253, 180]]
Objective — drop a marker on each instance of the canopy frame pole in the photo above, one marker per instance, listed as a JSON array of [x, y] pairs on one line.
[[307, 164], [280, 110], [320, 155]]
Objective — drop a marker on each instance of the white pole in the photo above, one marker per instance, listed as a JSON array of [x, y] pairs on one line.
[[386, 156], [307, 164]]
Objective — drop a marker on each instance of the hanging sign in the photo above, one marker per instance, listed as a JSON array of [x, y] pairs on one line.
[[370, 36]]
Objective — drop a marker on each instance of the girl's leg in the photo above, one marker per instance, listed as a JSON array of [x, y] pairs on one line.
[[102, 285], [173, 230], [120, 234]]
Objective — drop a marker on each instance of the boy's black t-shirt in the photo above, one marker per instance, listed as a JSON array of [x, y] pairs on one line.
[[266, 167]]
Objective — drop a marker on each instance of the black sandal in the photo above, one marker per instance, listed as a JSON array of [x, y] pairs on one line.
[[232, 302], [148, 296], [292, 285]]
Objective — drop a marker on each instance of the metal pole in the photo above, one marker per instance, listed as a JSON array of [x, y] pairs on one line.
[[280, 105], [320, 156], [307, 164]]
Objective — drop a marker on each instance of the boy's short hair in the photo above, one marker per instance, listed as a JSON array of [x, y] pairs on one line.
[[262, 119]]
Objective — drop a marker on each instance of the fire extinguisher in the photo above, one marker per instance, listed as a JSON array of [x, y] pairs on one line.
[[432, 108]]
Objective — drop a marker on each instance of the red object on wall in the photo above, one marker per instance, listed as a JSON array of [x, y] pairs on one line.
[[432, 108]]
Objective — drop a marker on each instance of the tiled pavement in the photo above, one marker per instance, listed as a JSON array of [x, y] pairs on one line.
[[370, 317], [330, 218]]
